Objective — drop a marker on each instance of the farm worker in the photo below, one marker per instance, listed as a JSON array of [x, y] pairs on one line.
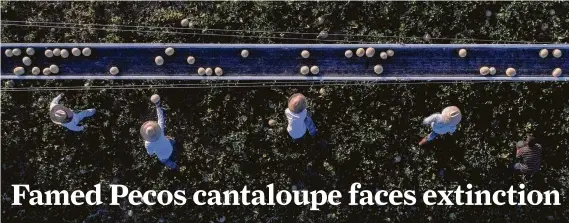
[[442, 123], [298, 119], [64, 116], [529, 153], [155, 142]]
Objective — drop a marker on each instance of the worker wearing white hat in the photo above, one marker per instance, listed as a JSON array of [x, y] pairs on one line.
[[64, 116], [299, 122], [442, 123], [155, 142]]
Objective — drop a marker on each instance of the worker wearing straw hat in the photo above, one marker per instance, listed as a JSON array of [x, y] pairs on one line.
[[155, 142], [298, 119], [65, 117], [442, 123]]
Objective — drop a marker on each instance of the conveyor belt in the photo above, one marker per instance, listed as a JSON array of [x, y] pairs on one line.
[[420, 62]]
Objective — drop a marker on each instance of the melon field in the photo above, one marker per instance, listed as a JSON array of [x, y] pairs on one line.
[[225, 142]]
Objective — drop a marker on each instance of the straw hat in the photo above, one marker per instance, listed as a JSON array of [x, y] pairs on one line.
[[520, 144], [451, 115], [296, 103], [60, 114], [150, 131]]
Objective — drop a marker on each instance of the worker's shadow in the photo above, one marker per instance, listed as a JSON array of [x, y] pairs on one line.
[[449, 156], [320, 153], [178, 151], [309, 169]]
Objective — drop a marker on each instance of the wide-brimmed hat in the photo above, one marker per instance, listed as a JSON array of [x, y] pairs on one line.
[[297, 103], [451, 115], [150, 131], [60, 114]]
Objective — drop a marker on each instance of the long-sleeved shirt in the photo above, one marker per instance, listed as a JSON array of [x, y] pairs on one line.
[[531, 158], [161, 147], [437, 124], [296, 127], [73, 125]]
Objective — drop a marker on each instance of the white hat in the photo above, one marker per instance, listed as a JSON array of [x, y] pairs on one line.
[[150, 131], [60, 114], [451, 115]]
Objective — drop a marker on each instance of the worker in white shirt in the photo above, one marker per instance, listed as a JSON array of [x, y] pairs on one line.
[[442, 123], [298, 119], [155, 142], [64, 116]]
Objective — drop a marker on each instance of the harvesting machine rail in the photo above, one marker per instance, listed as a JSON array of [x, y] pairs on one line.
[[310, 62]]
